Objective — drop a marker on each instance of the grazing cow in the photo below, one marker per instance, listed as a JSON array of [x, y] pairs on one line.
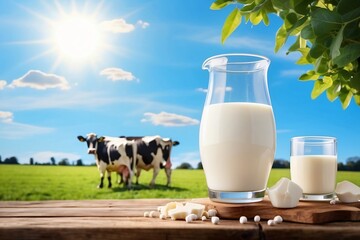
[[112, 154], [153, 152]]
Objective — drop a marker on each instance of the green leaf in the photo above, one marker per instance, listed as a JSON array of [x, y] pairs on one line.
[[283, 4], [280, 37], [297, 27], [355, 83], [309, 75], [317, 49], [268, 7], [295, 46], [333, 92], [219, 4], [245, 1], [348, 53], [320, 86], [357, 99], [265, 18], [345, 98], [321, 65], [351, 16], [255, 17], [336, 43], [324, 21], [231, 23], [302, 6], [290, 20], [346, 6], [302, 42], [307, 32], [248, 8], [305, 56]]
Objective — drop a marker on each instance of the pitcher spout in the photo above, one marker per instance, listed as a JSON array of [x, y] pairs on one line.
[[215, 61]]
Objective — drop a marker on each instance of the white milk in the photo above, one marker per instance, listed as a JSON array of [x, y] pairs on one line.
[[315, 174], [237, 145]]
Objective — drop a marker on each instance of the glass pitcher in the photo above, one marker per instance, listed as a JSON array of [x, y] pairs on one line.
[[237, 130]]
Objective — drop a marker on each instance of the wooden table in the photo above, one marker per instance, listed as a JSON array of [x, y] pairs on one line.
[[123, 219]]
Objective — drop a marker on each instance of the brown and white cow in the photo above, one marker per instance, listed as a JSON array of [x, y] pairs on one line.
[[153, 152], [112, 154]]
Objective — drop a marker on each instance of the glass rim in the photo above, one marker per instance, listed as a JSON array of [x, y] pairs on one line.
[[314, 139], [257, 59]]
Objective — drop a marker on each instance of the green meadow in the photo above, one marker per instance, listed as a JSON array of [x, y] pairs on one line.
[[29, 182]]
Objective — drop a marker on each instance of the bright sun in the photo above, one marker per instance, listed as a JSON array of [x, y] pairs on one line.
[[77, 38]]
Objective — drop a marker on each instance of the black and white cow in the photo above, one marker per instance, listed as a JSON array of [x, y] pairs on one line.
[[153, 152], [112, 154]]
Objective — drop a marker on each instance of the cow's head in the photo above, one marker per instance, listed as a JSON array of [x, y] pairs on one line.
[[92, 142]]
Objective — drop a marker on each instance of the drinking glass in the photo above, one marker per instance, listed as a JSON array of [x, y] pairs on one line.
[[313, 166]]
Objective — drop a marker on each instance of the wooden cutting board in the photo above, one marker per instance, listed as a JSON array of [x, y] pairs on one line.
[[305, 212]]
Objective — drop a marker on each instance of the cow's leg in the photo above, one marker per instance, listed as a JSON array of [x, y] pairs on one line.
[[129, 174], [102, 168], [120, 178], [109, 179], [101, 181], [155, 173], [168, 175], [138, 175], [168, 172]]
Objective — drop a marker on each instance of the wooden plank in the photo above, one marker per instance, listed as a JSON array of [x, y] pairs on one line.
[[131, 203], [285, 231], [305, 212], [121, 228]]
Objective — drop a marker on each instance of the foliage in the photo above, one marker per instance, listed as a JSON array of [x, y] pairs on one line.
[[37, 182], [10, 160], [79, 162], [352, 164], [326, 34], [64, 162], [280, 163], [184, 165]]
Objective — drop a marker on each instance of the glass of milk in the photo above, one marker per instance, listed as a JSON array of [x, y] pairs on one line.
[[237, 130], [313, 166]]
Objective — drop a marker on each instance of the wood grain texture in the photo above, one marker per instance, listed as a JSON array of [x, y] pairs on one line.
[[123, 219], [305, 212]]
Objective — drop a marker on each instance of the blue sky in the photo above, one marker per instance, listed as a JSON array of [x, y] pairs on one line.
[[134, 68]]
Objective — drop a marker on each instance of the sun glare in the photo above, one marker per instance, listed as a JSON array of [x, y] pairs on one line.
[[77, 38]]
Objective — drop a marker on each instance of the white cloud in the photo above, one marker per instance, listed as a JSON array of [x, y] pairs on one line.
[[2, 84], [117, 26], [204, 90], [116, 74], [189, 157], [6, 117], [169, 119], [143, 24], [12, 130], [44, 157], [40, 80]]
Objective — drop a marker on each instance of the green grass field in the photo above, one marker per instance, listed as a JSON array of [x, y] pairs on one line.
[[25, 182]]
